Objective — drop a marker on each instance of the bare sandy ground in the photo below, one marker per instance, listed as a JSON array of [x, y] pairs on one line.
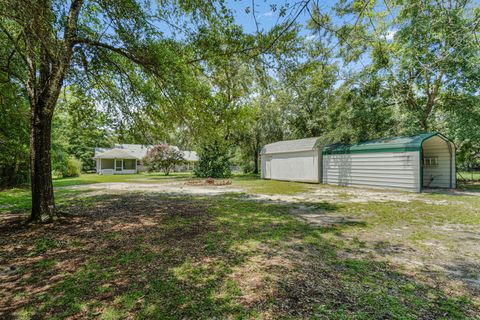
[[321, 194], [169, 187]]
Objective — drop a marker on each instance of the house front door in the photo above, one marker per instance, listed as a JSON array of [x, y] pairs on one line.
[[119, 165]]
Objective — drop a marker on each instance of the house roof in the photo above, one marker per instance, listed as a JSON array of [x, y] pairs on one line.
[[138, 150], [115, 153], [307, 144], [393, 144], [135, 151]]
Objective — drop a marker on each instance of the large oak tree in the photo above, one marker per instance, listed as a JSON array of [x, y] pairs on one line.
[[132, 55], [50, 43]]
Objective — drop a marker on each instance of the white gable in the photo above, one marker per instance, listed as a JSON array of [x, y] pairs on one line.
[[307, 144]]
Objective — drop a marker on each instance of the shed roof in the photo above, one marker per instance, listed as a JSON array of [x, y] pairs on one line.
[[393, 144], [116, 154], [307, 144]]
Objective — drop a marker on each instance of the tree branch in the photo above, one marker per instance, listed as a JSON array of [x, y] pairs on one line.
[[120, 51], [14, 42], [9, 72], [71, 25]]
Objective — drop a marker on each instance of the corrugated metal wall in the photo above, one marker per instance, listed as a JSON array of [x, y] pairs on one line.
[[373, 169]]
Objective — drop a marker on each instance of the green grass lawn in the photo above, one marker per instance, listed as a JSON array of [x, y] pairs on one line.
[[270, 187], [142, 177], [19, 198], [154, 256], [470, 176], [158, 256]]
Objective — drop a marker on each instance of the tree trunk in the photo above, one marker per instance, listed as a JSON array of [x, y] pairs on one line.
[[424, 122], [255, 156], [43, 204]]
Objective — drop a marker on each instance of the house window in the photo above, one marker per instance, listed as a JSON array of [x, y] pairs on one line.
[[129, 164], [430, 161]]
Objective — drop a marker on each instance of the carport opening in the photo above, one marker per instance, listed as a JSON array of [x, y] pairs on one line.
[[437, 163]]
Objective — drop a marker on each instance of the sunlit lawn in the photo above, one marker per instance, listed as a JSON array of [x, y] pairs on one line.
[[470, 175], [253, 184], [141, 177], [157, 256], [19, 198]]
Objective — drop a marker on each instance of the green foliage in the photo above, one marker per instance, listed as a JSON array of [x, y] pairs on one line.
[[66, 166], [14, 128], [214, 161], [79, 126], [360, 112], [73, 169], [371, 71]]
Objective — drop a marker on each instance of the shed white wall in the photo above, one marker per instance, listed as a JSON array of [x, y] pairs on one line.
[[443, 174], [373, 169], [301, 166]]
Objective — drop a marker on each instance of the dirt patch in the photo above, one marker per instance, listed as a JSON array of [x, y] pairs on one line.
[[319, 194], [170, 187], [208, 182]]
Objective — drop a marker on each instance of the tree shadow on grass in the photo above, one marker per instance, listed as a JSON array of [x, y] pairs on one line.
[[182, 257]]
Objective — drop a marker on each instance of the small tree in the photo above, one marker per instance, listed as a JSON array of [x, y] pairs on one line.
[[214, 161], [163, 157]]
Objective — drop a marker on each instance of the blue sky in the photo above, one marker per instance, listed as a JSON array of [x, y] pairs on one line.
[[266, 17]]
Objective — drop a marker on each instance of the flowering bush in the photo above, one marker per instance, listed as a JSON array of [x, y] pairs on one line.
[[164, 158]]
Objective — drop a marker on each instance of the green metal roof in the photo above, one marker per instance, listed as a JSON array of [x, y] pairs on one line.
[[394, 144]]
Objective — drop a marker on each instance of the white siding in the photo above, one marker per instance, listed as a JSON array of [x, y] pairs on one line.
[[373, 169], [294, 166], [440, 175], [263, 170]]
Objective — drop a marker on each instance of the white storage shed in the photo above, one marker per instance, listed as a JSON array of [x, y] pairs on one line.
[[411, 163], [292, 160]]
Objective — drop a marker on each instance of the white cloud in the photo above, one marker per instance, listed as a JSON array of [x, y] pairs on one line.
[[266, 14]]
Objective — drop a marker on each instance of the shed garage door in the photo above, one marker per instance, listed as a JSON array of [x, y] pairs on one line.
[[298, 166]]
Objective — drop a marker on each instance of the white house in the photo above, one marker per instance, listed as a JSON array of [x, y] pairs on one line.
[[127, 158], [411, 163], [292, 160]]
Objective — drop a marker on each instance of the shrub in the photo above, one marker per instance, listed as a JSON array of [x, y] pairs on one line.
[[73, 168], [65, 166], [214, 162]]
